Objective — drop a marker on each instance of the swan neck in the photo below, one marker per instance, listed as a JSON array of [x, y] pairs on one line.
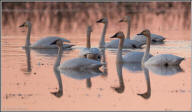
[[27, 43], [60, 51], [119, 52], [102, 41], [147, 51], [88, 39], [128, 29]]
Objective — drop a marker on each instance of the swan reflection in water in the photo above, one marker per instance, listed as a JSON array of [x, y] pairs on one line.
[[28, 61], [75, 74], [58, 93], [147, 94], [165, 70], [121, 88]]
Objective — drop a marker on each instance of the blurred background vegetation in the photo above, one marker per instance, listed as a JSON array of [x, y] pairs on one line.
[[57, 16]]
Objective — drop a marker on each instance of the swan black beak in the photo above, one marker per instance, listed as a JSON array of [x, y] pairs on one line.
[[114, 36], [99, 21], [22, 25]]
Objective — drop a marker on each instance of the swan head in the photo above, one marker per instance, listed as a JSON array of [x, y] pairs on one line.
[[103, 20], [145, 32], [58, 42], [119, 35], [27, 23], [89, 29], [125, 19]]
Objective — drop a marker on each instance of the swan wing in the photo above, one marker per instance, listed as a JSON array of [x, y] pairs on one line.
[[157, 38], [164, 60], [127, 44], [134, 57], [46, 42], [140, 38]]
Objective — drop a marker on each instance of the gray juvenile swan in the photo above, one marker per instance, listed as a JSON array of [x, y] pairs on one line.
[[160, 59], [76, 63], [154, 39], [44, 43], [94, 53], [127, 42], [130, 57]]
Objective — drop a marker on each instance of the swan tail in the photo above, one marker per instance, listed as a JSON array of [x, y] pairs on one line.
[[179, 61]]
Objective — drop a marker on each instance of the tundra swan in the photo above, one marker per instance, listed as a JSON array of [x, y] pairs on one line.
[[76, 63], [160, 59], [155, 39], [94, 53], [130, 57], [44, 43], [127, 42]]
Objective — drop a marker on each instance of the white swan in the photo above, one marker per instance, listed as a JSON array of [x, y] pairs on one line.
[[160, 59], [94, 53], [76, 63], [44, 43], [154, 39], [127, 42], [130, 57]]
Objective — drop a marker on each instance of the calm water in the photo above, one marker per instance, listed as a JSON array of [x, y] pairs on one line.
[[31, 88], [29, 81]]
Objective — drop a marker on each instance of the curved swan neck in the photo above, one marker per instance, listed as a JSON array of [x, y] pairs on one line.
[[102, 41], [119, 52], [27, 43], [88, 39], [147, 51], [128, 29], [60, 51]]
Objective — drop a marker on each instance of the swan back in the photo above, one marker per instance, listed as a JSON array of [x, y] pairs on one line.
[[134, 57], [81, 63], [164, 60], [46, 42]]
